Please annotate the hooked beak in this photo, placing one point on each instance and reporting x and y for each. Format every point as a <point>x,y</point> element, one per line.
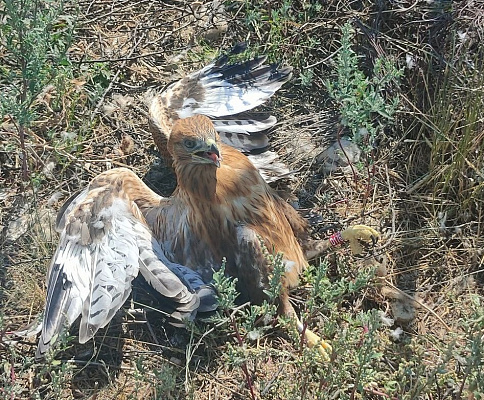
<point>210,152</point>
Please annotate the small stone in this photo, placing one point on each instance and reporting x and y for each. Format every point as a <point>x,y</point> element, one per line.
<point>339,156</point>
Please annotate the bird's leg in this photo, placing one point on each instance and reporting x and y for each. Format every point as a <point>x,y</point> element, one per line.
<point>316,248</point>
<point>312,339</point>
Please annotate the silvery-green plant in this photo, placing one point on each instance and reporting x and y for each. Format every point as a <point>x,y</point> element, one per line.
<point>364,102</point>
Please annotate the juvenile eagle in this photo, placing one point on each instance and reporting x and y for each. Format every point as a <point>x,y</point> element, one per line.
<point>222,208</point>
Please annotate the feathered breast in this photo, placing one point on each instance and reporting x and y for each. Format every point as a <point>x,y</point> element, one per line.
<point>217,200</point>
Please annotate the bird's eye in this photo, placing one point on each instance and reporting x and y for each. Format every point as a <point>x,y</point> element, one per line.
<point>189,143</point>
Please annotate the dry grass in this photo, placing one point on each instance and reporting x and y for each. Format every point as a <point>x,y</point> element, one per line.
<point>424,192</point>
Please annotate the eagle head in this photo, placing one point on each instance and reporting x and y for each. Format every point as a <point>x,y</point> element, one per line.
<point>195,140</point>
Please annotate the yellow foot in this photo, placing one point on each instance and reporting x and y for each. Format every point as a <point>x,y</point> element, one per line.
<point>323,347</point>
<point>359,232</point>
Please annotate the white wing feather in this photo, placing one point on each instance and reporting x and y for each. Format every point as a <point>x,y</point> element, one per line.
<point>229,89</point>
<point>223,92</point>
<point>114,264</point>
<point>101,250</point>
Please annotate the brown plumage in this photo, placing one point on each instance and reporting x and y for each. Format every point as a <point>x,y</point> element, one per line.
<point>228,209</point>
<point>221,208</point>
<point>221,200</point>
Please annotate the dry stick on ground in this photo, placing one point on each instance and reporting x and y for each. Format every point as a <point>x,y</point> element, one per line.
<point>121,67</point>
<point>21,135</point>
<point>276,375</point>
<point>338,137</point>
<point>241,344</point>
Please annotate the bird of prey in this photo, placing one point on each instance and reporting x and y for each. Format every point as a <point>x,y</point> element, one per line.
<point>225,93</point>
<point>222,209</point>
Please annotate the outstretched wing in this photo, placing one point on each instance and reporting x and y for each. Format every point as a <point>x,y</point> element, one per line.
<point>224,92</point>
<point>222,89</point>
<point>91,272</point>
<point>104,243</point>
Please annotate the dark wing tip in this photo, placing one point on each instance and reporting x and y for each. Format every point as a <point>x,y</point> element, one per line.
<point>237,49</point>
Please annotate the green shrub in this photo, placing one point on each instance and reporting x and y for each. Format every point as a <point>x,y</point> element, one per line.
<point>366,104</point>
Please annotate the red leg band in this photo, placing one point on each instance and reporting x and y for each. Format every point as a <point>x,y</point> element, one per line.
<point>336,239</point>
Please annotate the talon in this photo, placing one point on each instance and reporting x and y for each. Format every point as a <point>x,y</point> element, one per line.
<point>323,347</point>
<point>359,232</point>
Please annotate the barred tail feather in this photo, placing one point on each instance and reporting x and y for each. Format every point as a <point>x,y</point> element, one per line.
<point>245,143</point>
<point>240,124</point>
